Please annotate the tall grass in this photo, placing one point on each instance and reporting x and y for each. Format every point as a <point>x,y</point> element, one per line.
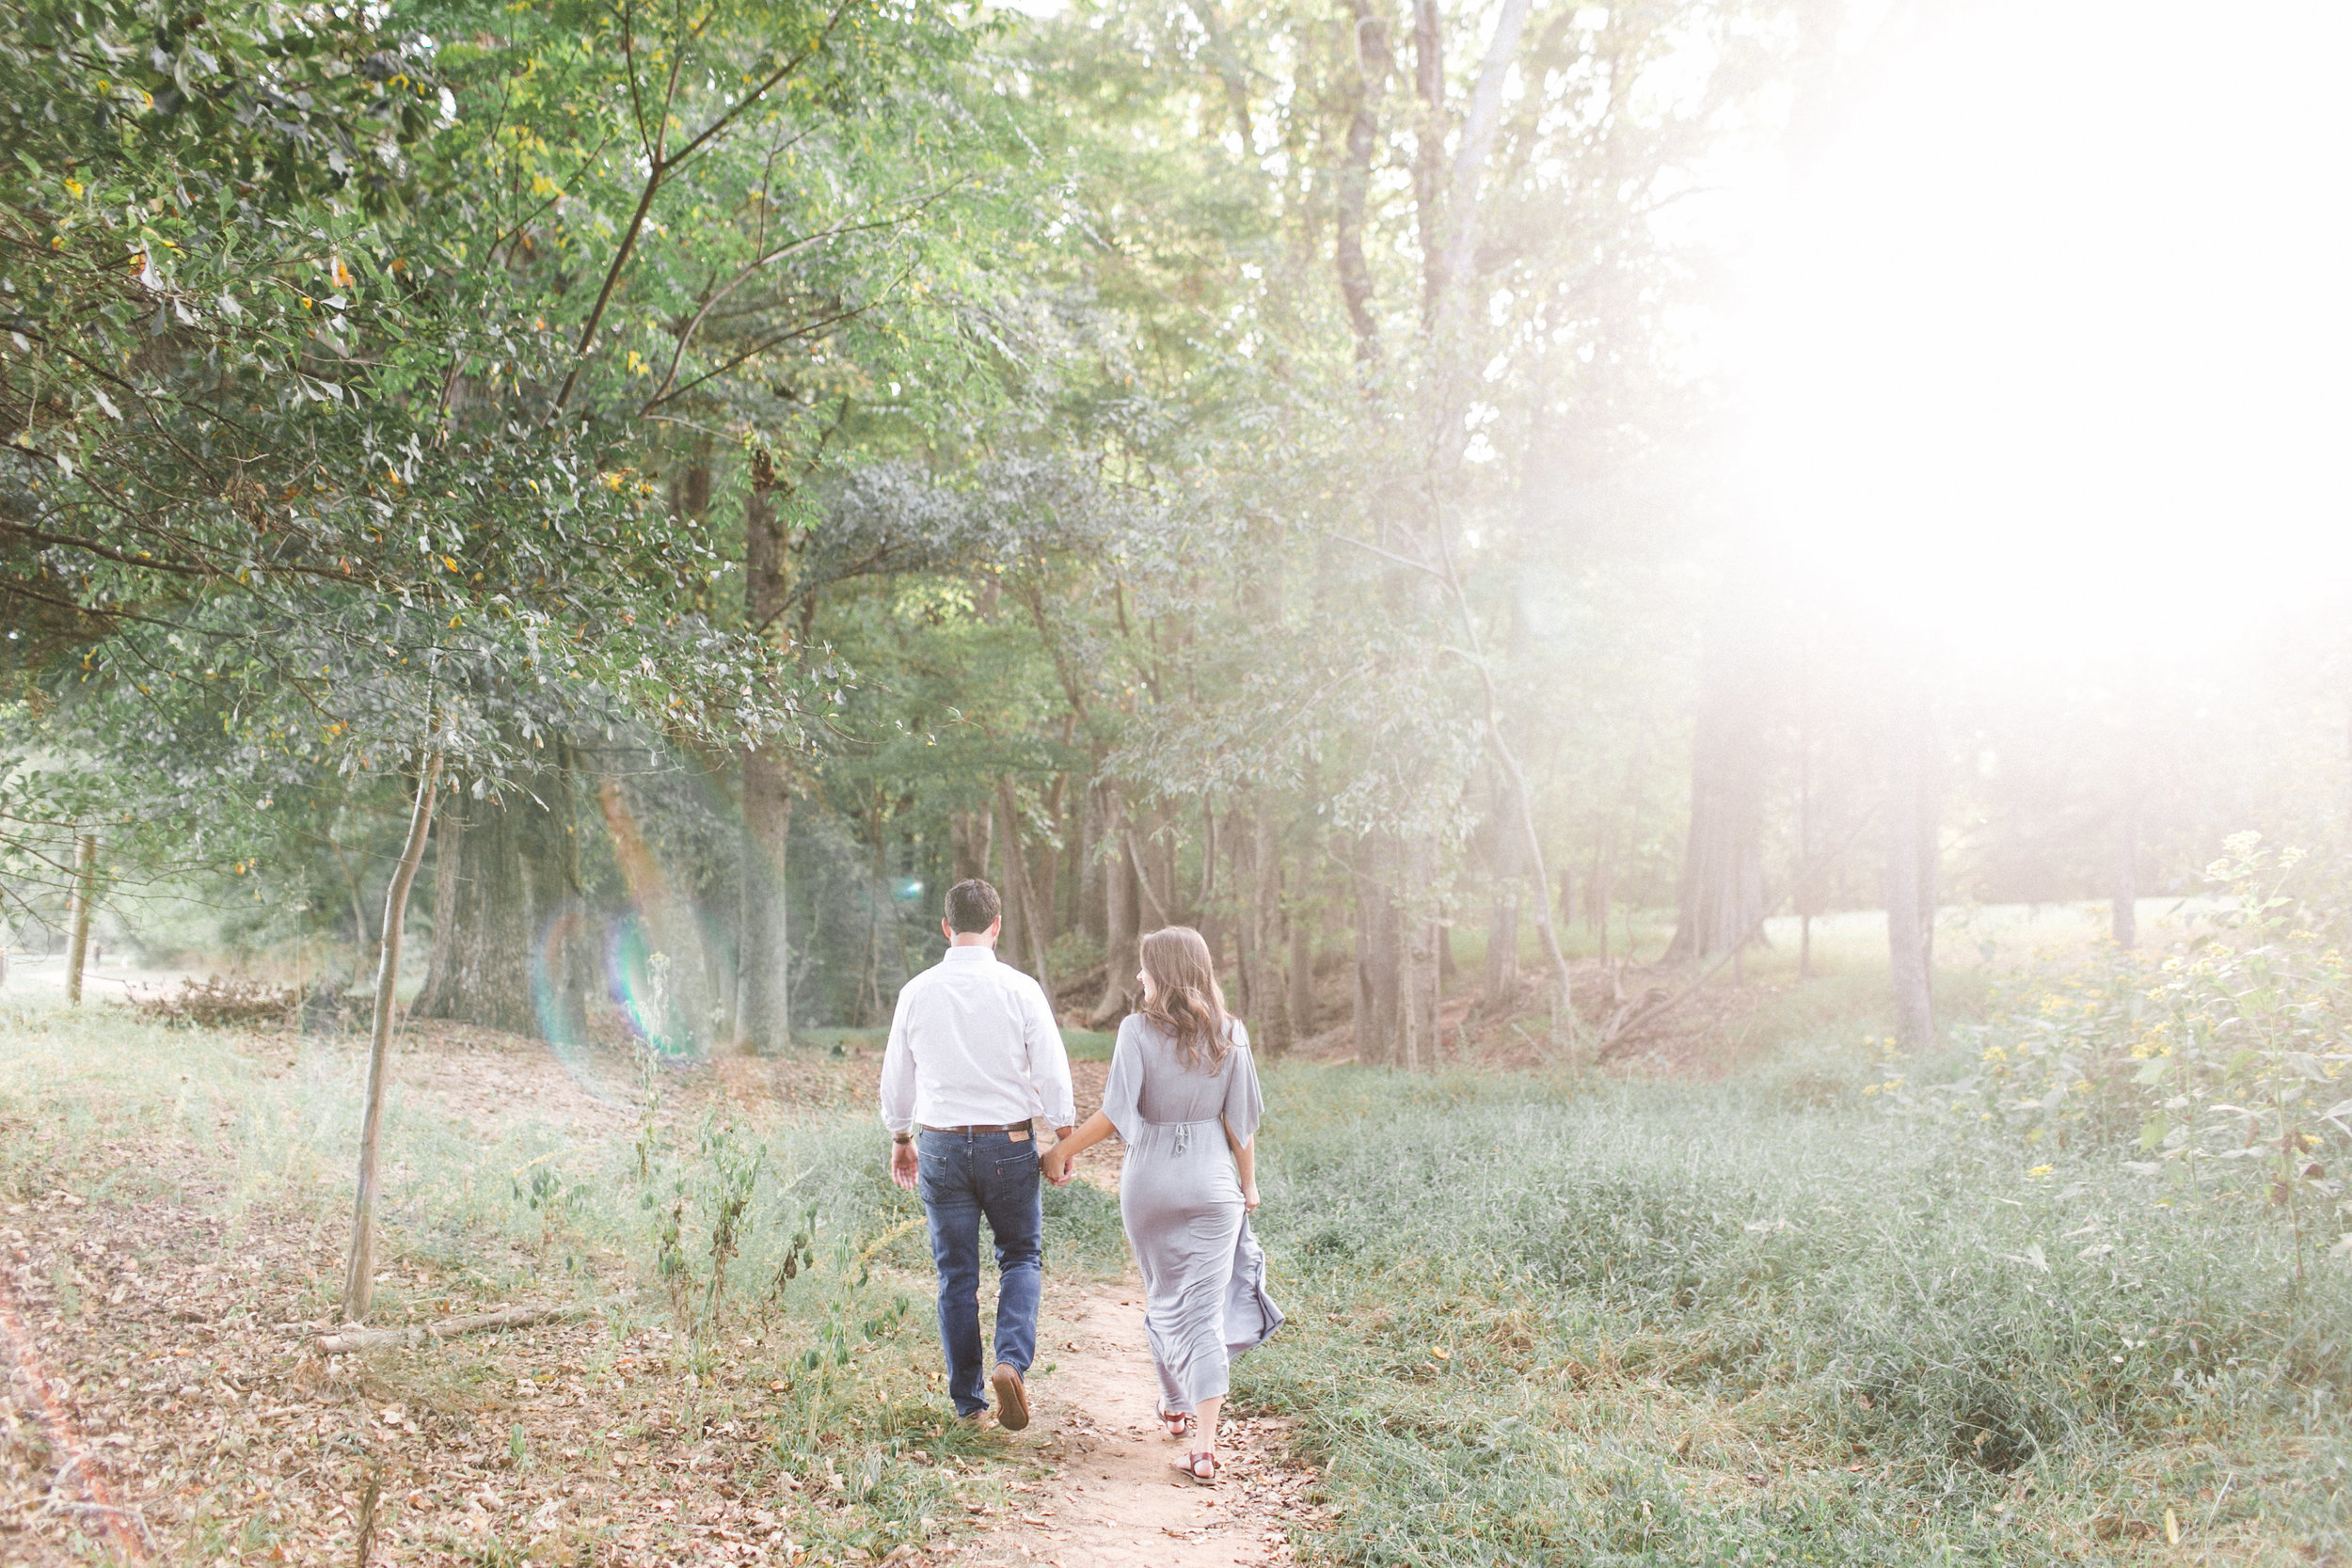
<point>1778,1318</point>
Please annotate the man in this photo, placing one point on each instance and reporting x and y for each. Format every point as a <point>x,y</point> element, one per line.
<point>973,1058</point>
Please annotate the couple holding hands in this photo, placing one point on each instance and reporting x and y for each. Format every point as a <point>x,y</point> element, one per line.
<point>975,1058</point>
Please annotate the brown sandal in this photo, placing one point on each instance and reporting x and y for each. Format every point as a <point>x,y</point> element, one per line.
<point>1176,1422</point>
<point>1191,1464</point>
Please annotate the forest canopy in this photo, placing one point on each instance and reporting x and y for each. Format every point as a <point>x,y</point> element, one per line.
<point>1280,469</point>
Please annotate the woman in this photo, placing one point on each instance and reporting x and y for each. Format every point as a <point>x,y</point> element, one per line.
<point>1184,1095</point>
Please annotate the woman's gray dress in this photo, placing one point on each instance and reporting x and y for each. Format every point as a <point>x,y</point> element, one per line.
<point>1203,1273</point>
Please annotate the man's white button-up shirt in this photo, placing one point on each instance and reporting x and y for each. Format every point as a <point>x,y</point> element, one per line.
<point>973,1043</point>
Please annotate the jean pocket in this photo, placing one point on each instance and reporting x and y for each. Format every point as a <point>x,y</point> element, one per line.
<point>1017,1165</point>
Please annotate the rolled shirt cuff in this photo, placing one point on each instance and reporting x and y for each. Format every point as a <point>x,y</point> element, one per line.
<point>899,1124</point>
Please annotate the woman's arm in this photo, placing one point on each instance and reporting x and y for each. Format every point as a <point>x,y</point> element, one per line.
<point>1055,1160</point>
<point>1245,1166</point>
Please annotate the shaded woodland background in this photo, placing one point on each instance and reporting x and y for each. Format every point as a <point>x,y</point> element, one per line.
<point>1238,465</point>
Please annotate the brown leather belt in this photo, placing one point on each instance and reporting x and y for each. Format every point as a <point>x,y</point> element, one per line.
<point>1004,1127</point>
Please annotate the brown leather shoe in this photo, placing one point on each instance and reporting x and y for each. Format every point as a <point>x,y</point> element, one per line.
<point>1013,1398</point>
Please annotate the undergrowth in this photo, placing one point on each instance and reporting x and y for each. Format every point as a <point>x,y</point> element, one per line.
<point>1795,1316</point>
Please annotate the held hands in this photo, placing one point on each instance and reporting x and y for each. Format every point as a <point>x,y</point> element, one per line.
<point>1054,1164</point>
<point>905,1164</point>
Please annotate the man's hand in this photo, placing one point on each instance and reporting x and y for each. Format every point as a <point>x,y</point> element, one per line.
<point>905,1164</point>
<point>1057,1159</point>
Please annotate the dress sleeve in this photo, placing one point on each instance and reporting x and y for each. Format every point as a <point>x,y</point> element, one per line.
<point>1122,1092</point>
<point>1244,1103</point>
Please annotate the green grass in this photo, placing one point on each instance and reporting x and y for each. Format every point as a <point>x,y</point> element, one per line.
<point>825,1290</point>
<point>1084,1045</point>
<point>1088,1045</point>
<point>1771,1319</point>
<point>1534,1320</point>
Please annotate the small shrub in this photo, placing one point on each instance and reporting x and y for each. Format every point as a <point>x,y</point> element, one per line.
<point>2223,1066</point>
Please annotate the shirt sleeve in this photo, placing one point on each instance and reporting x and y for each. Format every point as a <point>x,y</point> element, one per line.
<point>1122,1092</point>
<point>898,1073</point>
<point>1049,1062</point>
<point>1245,1105</point>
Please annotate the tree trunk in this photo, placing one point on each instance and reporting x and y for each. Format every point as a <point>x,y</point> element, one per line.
<point>359,1270</point>
<point>510,944</point>
<point>1023,940</point>
<point>1157,867</point>
<point>1721,890</point>
<point>359,920</point>
<point>1384,983</point>
<point>1094,911</point>
<point>1506,869</point>
<point>1240,883</point>
<point>448,879</point>
<point>1261,924</point>
<point>481,967</point>
<point>85,894</point>
<point>1045,866</point>
<point>971,834</point>
<point>1354,185</point>
<point>1210,900</point>
<point>1299,1008</point>
<point>1429,129</point>
<point>1122,905</point>
<point>763,1009</point>
<point>1499,988</point>
<point>1910,908</point>
<point>1417,1033</point>
<point>1599,888</point>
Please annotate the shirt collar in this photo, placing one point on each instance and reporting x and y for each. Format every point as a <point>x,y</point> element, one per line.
<point>969,956</point>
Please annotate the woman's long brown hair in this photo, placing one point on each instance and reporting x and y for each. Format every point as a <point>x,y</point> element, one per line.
<point>1184,999</point>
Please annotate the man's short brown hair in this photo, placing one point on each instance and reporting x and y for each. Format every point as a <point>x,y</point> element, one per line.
<point>973,905</point>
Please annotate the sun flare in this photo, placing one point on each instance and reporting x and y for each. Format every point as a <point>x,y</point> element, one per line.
<point>2047,337</point>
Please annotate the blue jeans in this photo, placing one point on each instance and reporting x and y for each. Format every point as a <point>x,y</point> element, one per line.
<point>965,1176</point>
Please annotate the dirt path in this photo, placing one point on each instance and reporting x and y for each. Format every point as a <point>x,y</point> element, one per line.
<point>155,1387</point>
<point>1112,1499</point>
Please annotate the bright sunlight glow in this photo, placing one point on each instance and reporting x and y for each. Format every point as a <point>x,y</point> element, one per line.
<point>2049,338</point>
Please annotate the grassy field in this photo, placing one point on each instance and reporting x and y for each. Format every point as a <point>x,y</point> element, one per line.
<point>1790,1314</point>
<point>1779,1318</point>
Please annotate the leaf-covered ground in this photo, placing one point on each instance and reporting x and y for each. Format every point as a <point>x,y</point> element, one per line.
<point>169,1268</point>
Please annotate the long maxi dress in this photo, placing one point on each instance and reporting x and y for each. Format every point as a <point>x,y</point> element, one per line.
<point>1205,1300</point>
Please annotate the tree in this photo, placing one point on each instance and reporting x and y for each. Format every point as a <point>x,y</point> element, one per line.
<point>1911,857</point>
<point>1720,897</point>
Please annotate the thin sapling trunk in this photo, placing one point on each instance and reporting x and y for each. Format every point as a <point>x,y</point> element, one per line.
<point>360,1277</point>
<point>85,891</point>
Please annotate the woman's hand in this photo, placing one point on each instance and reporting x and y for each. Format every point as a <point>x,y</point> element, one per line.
<point>1054,1164</point>
<point>1250,1197</point>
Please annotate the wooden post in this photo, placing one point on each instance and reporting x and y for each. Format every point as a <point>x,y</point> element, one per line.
<point>360,1277</point>
<point>84,888</point>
